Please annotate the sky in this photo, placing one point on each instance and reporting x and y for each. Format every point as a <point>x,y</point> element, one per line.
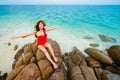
<point>108,2</point>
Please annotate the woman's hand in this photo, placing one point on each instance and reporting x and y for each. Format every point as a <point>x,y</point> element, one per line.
<point>13,37</point>
<point>48,29</point>
<point>23,35</point>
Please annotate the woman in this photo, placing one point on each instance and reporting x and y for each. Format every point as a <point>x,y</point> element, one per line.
<point>41,35</point>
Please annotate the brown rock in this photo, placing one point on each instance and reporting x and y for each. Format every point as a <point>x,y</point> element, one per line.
<point>39,78</point>
<point>107,38</point>
<point>33,59</point>
<point>15,47</point>
<point>19,53</point>
<point>40,55</point>
<point>98,55</point>
<point>27,57</point>
<point>111,69</point>
<point>31,56</point>
<point>57,76</point>
<point>106,76</point>
<point>18,63</point>
<point>27,49</point>
<point>94,45</point>
<point>114,52</point>
<point>75,73</point>
<point>77,57</point>
<point>9,43</point>
<point>14,73</point>
<point>45,68</point>
<point>101,74</point>
<point>4,76</point>
<point>87,37</point>
<point>92,62</point>
<point>88,73</point>
<point>34,48</point>
<point>98,72</point>
<point>30,72</point>
<point>70,62</point>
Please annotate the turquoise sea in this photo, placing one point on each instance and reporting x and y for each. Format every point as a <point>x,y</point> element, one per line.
<point>74,21</point>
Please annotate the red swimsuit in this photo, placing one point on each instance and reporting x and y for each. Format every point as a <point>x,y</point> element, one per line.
<point>42,38</point>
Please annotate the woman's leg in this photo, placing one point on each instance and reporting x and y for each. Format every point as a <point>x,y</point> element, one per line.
<point>48,45</point>
<point>47,55</point>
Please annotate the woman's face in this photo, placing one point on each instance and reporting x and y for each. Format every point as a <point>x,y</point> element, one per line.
<point>41,26</point>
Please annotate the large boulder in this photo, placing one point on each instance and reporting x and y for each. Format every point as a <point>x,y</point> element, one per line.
<point>93,62</point>
<point>30,72</point>
<point>98,55</point>
<point>59,74</point>
<point>45,68</point>
<point>31,64</point>
<point>3,76</point>
<point>77,66</point>
<point>75,73</point>
<point>114,52</point>
<point>105,38</point>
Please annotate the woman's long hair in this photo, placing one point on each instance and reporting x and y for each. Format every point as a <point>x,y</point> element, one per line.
<point>37,25</point>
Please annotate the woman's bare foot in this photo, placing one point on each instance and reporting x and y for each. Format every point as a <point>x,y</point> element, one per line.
<point>55,66</point>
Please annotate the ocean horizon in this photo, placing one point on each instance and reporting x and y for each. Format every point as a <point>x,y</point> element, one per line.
<point>75,22</point>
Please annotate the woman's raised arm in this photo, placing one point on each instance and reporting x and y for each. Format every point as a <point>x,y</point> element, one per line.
<point>23,35</point>
<point>48,29</point>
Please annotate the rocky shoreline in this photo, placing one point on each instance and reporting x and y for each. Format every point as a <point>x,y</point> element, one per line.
<point>31,64</point>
